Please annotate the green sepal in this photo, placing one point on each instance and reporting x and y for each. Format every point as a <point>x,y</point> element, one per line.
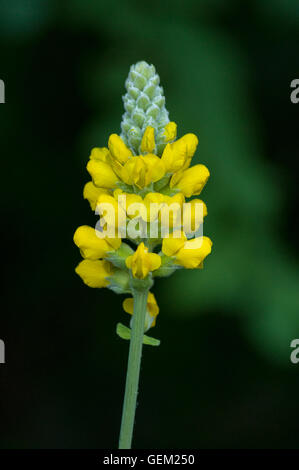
<point>141,284</point>
<point>125,333</point>
<point>119,282</point>
<point>159,185</point>
<point>167,191</point>
<point>118,257</point>
<point>167,267</point>
<point>125,187</point>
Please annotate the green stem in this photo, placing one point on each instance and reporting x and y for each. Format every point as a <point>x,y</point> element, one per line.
<point>133,371</point>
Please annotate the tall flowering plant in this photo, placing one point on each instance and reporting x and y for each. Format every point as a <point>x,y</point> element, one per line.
<point>139,186</point>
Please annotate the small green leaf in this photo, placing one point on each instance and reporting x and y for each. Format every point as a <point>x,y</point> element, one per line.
<point>125,333</point>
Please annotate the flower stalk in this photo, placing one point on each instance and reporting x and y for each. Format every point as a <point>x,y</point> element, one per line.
<point>133,370</point>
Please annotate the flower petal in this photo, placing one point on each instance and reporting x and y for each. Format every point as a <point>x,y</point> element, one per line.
<point>92,193</point>
<point>148,140</point>
<point>102,174</point>
<point>118,149</point>
<point>172,244</point>
<point>94,273</point>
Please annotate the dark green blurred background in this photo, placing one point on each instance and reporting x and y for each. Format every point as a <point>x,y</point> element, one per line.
<point>222,376</point>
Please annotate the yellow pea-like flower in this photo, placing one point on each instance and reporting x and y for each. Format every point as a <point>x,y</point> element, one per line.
<point>118,149</point>
<point>102,174</point>
<point>170,131</point>
<point>187,253</point>
<point>175,155</point>
<point>191,181</point>
<point>95,273</point>
<point>152,309</point>
<point>91,246</point>
<point>142,262</point>
<point>148,140</point>
<point>92,193</point>
<point>143,170</point>
<point>133,172</point>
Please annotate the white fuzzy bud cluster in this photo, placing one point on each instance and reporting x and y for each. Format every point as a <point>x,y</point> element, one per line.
<point>144,105</point>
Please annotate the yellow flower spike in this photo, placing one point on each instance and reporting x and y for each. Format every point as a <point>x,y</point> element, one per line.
<point>142,262</point>
<point>91,193</point>
<point>152,309</point>
<point>144,165</point>
<point>91,246</point>
<point>98,153</point>
<point>148,140</point>
<point>175,155</point>
<point>170,131</point>
<point>191,181</point>
<point>118,149</point>
<point>102,174</point>
<point>94,273</point>
<point>194,252</point>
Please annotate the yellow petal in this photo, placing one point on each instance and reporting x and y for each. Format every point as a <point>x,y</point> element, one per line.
<point>143,170</point>
<point>94,273</point>
<point>133,172</point>
<point>190,141</point>
<point>111,211</point>
<point>102,174</point>
<point>98,153</point>
<point>92,246</point>
<point>128,305</point>
<point>148,140</point>
<point>154,261</point>
<point>194,252</point>
<point>176,154</point>
<point>91,193</point>
<point>155,168</point>
<point>152,202</point>
<point>170,131</point>
<point>191,181</point>
<point>172,244</point>
<point>152,307</point>
<point>132,209</point>
<point>118,149</point>
<point>142,262</point>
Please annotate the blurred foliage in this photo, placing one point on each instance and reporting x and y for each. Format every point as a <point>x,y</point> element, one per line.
<point>222,376</point>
